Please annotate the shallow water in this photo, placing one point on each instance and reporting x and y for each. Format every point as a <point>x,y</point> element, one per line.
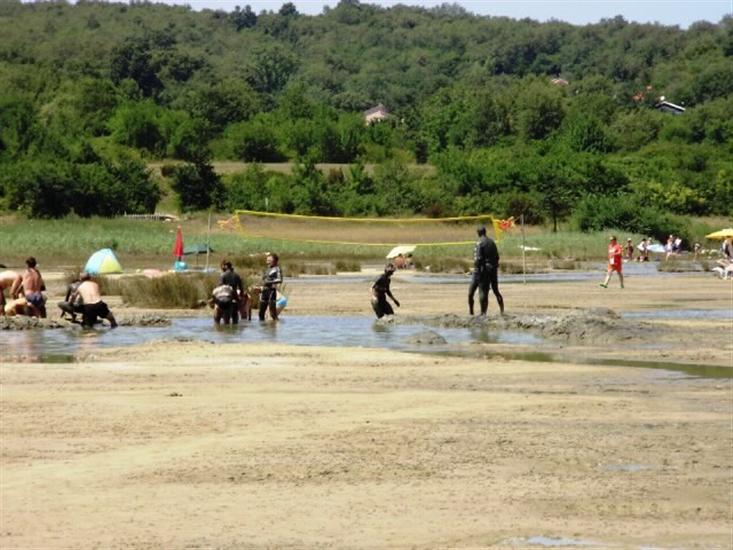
<point>558,276</point>
<point>725,314</point>
<point>550,542</point>
<point>58,344</point>
<point>697,371</point>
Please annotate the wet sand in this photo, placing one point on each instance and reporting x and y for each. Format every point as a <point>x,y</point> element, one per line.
<point>183,445</point>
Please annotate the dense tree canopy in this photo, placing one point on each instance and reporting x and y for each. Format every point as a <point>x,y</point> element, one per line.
<point>514,115</point>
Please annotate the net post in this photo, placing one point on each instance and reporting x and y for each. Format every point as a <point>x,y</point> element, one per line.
<point>524,252</point>
<point>208,240</point>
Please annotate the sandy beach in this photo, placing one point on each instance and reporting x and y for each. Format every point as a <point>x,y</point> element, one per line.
<point>196,445</point>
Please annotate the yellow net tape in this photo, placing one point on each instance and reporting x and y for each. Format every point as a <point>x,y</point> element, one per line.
<point>378,232</point>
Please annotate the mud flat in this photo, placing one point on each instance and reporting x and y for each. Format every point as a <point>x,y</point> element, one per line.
<point>185,444</point>
<point>197,445</point>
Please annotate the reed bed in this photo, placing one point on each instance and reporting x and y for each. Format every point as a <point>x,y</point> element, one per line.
<point>173,291</point>
<point>140,243</point>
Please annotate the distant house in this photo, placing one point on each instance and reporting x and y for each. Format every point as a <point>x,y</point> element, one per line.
<point>376,114</point>
<point>559,82</point>
<point>669,107</point>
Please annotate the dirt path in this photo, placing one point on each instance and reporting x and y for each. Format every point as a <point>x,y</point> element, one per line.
<point>192,445</point>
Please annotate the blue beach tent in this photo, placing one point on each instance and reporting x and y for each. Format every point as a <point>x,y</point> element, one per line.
<point>102,262</point>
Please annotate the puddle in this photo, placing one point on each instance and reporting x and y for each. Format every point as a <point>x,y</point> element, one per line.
<point>697,371</point>
<point>725,314</point>
<point>550,542</point>
<point>631,468</point>
<point>61,345</point>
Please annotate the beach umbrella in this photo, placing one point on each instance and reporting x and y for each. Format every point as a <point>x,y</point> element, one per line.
<point>403,249</point>
<point>722,234</point>
<point>103,261</point>
<point>178,246</point>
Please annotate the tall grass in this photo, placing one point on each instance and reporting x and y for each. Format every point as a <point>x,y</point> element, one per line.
<point>174,291</point>
<point>140,243</point>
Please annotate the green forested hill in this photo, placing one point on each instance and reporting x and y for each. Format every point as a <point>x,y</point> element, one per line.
<point>90,89</point>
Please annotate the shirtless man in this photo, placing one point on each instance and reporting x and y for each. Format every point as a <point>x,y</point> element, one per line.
<point>7,279</point>
<point>94,307</point>
<point>32,285</point>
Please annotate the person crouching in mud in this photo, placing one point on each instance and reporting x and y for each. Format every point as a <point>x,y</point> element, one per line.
<point>88,293</point>
<point>380,291</point>
<point>68,307</point>
<point>271,280</point>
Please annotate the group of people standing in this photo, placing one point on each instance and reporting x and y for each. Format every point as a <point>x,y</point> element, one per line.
<point>25,290</point>
<point>232,300</point>
<point>485,277</point>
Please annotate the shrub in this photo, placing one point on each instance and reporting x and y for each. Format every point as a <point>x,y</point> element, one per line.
<point>174,291</point>
<point>198,187</point>
<point>626,213</point>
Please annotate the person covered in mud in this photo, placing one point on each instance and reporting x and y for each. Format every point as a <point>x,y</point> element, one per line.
<point>31,284</point>
<point>94,308</point>
<point>615,251</point>
<point>485,273</point>
<point>68,307</point>
<point>228,294</point>
<point>629,251</point>
<point>272,278</point>
<point>7,279</point>
<point>380,291</point>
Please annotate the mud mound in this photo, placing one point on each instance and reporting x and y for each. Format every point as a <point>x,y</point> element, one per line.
<point>597,325</point>
<point>427,338</point>
<point>21,322</point>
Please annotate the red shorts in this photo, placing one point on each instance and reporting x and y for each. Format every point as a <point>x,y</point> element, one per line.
<point>614,267</point>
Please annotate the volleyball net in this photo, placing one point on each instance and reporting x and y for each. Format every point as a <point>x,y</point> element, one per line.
<point>378,232</point>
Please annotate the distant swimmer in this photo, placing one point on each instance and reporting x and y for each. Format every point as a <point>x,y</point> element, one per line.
<point>485,273</point>
<point>380,291</point>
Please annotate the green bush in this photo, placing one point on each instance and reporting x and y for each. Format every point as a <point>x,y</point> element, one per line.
<point>198,187</point>
<point>625,212</point>
<point>174,291</point>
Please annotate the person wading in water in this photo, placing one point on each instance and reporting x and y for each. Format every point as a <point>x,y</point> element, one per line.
<point>380,291</point>
<point>271,280</point>
<point>485,273</point>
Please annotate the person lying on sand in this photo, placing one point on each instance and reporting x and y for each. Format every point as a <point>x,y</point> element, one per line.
<point>7,278</point>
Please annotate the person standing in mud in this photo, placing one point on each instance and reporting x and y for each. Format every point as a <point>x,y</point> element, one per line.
<point>228,309</point>
<point>380,291</point>
<point>485,273</point>
<point>272,278</point>
<point>31,284</point>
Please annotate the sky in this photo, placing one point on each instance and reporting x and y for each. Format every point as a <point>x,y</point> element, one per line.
<point>578,12</point>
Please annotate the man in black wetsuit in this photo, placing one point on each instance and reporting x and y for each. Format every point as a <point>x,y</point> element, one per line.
<point>380,291</point>
<point>271,280</point>
<point>229,308</point>
<point>485,273</point>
